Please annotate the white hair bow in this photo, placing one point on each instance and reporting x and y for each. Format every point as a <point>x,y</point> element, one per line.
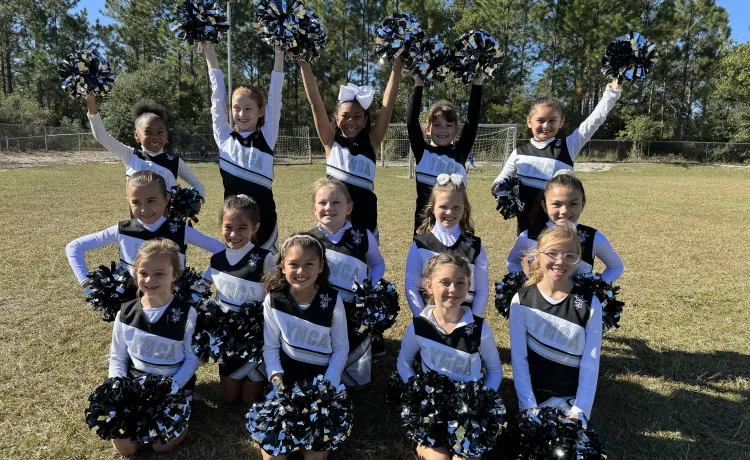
<point>443,179</point>
<point>363,94</point>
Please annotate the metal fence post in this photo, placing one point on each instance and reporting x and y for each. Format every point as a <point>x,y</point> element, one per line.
<point>7,145</point>
<point>45,138</point>
<point>382,154</point>
<point>79,142</point>
<point>706,152</point>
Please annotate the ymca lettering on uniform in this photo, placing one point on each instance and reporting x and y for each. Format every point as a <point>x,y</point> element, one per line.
<point>558,333</point>
<point>303,335</point>
<point>450,362</point>
<point>341,269</point>
<point>356,165</point>
<point>236,291</point>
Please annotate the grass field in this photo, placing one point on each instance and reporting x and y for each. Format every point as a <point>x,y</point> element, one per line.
<point>674,380</point>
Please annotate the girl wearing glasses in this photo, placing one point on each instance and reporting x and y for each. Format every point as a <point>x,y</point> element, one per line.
<point>564,200</point>
<point>555,330</point>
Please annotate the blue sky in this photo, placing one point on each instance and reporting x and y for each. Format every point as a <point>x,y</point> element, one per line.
<point>739,15</point>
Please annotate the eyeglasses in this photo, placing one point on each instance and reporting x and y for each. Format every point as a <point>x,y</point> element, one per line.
<point>567,257</point>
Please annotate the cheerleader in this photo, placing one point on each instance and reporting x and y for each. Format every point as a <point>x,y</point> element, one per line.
<point>446,335</point>
<point>564,200</point>
<point>147,195</point>
<point>536,162</point>
<point>304,333</point>
<point>350,143</point>
<point>555,330</point>
<point>144,328</point>
<point>246,154</point>
<point>441,155</point>
<point>151,136</point>
<point>352,255</point>
<point>236,273</point>
<point>447,226</point>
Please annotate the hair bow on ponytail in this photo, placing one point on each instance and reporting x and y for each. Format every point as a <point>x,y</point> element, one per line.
<point>443,179</point>
<point>363,94</point>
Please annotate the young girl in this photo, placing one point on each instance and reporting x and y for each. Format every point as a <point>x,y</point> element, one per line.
<point>564,200</point>
<point>246,154</point>
<point>350,143</point>
<point>536,162</point>
<point>147,327</point>
<point>555,330</point>
<point>352,255</point>
<point>440,155</point>
<point>447,336</point>
<point>305,323</point>
<point>447,226</point>
<point>151,135</point>
<point>236,272</point>
<point>147,195</point>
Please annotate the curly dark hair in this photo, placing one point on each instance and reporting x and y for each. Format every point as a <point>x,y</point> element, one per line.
<point>145,106</point>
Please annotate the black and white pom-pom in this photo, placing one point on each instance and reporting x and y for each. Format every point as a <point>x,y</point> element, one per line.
<point>397,35</point>
<point>229,336</point>
<point>290,26</point>
<point>475,53</point>
<point>209,334</point>
<point>192,287</point>
<point>505,289</point>
<point>424,402</point>
<point>311,415</point>
<point>429,60</point>
<point>184,204</point>
<point>477,419</point>
<point>607,295</point>
<point>84,72</point>
<point>507,195</point>
<point>141,409</point>
<point>630,57</point>
<point>108,289</point>
<point>199,21</point>
<point>379,309</point>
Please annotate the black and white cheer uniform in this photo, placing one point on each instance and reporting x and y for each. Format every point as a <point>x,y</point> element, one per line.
<point>129,235</point>
<point>555,347</point>
<point>594,246</point>
<point>536,162</point>
<point>432,160</point>
<point>352,254</point>
<point>440,240</point>
<point>353,163</point>
<point>246,159</point>
<point>305,340</point>
<point>156,341</point>
<point>236,275</point>
<point>460,354</point>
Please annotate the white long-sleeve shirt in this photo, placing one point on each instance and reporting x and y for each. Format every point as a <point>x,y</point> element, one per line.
<point>373,258</point>
<point>602,250</point>
<point>410,347</point>
<point>76,249</point>
<point>415,268</point>
<point>118,350</point>
<point>339,341</point>
<point>522,318</point>
<point>133,163</point>
<point>575,141</point>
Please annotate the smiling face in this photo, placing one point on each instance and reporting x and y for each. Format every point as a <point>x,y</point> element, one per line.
<point>237,229</point>
<point>332,208</point>
<point>156,276</point>
<point>559,261</point>
<point>246,111</point>
<point>449,208</point>
<point>545,122</point>
<point>147,202</point>
<point>301,268</point>
<point>151,133</point>
<point>563,204</point>
<point>448,286</point>
<point>351,119</point>
<point>441,131</point>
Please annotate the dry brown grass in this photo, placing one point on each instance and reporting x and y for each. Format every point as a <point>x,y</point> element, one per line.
<point>674,380</point>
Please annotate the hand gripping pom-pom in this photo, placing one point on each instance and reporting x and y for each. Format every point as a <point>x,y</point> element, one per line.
<point>630,57</point>
<point>192,287</point>
<point>290,26</point>
<point>311,416</point>
<point>109,287</point>
<point>379,307</point>
<point>507,194</point>
<point>84,72</point>
<point>505,289</point>
<point>183,205</point>
<point>607,295</point>
<point>229,336</point>
<point>199,21</point>
<point>397,35</point>
<point>475,53</point>
<point>140,409</point>
<point>429,60</point>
